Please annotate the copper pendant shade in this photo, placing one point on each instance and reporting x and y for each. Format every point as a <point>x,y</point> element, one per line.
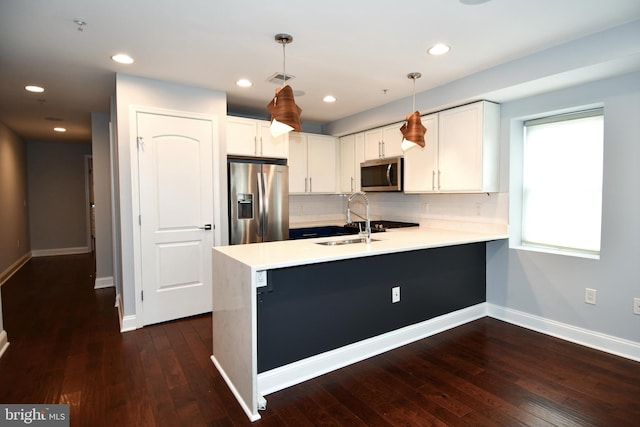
<point>412,130</point>
<point>285,114</point>
<point>284,111</point>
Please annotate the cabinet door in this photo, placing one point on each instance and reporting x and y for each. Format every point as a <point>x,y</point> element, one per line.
<point>268,145</point>
<point>297,163</point>
<point>373,144</point>
<point>392,140</point>
<point>241,136</point>
<point>421,163</point>
<point>460,148</point>
<point>348,164</point>
<point>321,163</point>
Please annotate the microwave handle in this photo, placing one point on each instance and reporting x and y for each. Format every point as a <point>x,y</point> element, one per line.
<point>389,174</point>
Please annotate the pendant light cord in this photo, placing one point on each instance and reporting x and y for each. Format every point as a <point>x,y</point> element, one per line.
<point>414,94</point>
<point>284,69</point>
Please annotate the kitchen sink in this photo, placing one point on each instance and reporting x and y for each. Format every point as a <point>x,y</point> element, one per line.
<point>345,242</point>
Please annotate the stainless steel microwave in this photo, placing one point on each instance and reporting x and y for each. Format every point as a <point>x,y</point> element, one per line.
<point>381,174</point>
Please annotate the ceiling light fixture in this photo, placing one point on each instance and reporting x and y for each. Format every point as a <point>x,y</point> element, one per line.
<point>35,89</point>
<point>60,129</point>
<point>80,24</point>
<point>244,83</point>
<point>285,114</point>
<point>329,99</point>
<point>122,58</point>
<point>439,49</point>
<point>412,130</point>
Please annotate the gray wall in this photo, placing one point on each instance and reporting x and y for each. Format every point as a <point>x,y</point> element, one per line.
<point>14,215</point>
<point>100,147</point>
<point>553,286</point>
<point>57,197</point>
<point>135,92</point>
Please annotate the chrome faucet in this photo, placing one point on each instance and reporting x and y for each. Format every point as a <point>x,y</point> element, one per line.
<point>366,234</point>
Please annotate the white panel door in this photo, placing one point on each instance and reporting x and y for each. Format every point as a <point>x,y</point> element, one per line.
<point>176,213</point>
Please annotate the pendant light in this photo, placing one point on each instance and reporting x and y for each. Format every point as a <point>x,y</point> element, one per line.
<point>412,129</point>
<point>285,114</point>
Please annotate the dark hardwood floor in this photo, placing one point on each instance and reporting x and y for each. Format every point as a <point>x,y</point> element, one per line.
<point>66,348</point>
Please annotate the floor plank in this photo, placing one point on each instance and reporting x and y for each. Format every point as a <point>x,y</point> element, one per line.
<point>66,348</point>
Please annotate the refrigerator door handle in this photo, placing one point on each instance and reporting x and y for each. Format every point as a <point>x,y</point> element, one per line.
<point>260,202</point>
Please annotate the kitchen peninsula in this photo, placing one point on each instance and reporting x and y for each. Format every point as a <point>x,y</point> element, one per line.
<point>287,311</point>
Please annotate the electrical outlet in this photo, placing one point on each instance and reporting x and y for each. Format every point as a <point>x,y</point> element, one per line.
<point>636,306</point>
<point>590,296</point>
<point>425,208</point>
<point>395,294</point>
<point>478,209</point>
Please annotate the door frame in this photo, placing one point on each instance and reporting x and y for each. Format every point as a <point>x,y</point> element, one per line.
<point>135,189</point>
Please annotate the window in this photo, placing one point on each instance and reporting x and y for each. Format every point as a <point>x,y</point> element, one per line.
<point>562,182</point>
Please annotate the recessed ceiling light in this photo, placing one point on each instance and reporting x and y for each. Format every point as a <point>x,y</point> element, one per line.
<point>439,49</point>
<point>244,83</point>
<point>36,89</point>
<point>60,129</point>
<point>473,2</point>
<point>122,58</point>
<point>329,98</point>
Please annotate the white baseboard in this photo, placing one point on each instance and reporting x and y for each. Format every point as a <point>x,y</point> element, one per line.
<point>13,268</point>
<point>127,323</point>
<point>607,343</point>
<point>4,342</point>
<point>103,282</point>
<point>60,251</point>
<point>252,416</point>
<point>303,370</point>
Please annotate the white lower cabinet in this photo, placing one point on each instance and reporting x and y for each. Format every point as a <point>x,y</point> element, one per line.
<point>312,163</point>
<point>351,155</point>
<point>249,137</point>
<point>461,156</point>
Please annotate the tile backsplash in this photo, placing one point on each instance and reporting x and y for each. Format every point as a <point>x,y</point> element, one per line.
<point>480,212</point>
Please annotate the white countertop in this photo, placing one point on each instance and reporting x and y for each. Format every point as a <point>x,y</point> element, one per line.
<point>288,253</point>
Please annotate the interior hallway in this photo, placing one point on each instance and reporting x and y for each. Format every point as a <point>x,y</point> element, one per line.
<point>66,348</point>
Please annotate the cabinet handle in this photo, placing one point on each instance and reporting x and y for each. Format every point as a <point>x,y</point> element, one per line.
<point>383,149</point>
<point>255,145</point>
<point>379,149</point>
<point>310,185</point>
<point>433,180</point>
<point>305,185</point>
<point>352,186</point>
<point>261,146</point>
<point>439,173</point>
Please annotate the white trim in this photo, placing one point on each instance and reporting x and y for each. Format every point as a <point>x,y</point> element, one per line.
<point>127,323</point>
<point>243,404</point>
<point>603,342</point>
<point>303,370</point>
<point>60,251</point>
<point>13,268</point>
<point>4,342</point>
<point>103,282</point>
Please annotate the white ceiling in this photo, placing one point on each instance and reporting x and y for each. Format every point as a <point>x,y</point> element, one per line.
<point>354,50</point>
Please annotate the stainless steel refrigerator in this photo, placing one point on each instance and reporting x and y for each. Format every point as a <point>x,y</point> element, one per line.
<point>258,201</point>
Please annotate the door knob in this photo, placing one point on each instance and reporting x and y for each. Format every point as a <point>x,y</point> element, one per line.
<point>205,227</point>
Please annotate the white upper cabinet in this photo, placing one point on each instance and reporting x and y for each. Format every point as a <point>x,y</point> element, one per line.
<point>383,142</point>
<point>351,155</point>
<point>312,163</point>
<point>249,137</point>
<point>468,148</point>
<point>461,153</point>
<point>421,163</point>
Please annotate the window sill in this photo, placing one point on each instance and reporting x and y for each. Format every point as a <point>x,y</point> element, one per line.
<point>556,251</point>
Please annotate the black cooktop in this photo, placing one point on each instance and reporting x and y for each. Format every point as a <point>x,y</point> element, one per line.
<point>383,225</point>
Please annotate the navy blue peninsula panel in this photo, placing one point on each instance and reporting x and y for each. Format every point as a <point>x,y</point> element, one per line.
<point>310,309</point>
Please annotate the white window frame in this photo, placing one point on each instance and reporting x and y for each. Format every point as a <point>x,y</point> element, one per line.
<point>517,164</point>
